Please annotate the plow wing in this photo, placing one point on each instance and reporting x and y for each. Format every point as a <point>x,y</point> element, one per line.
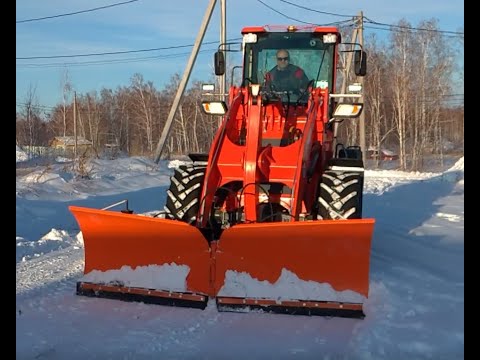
<point>136,257</point>
<point>315,266</point>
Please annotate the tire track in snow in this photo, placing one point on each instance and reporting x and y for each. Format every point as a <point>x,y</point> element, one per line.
<point>52,272</point>
<point>177,330</point>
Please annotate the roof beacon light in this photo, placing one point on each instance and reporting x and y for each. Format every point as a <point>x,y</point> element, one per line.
<point>249,38</point>
<point>330,38</point>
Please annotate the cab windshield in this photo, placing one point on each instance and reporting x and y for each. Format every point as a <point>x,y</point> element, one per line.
<point>306,50</point>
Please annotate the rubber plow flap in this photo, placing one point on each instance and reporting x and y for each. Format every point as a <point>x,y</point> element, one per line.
<point>140,255</point>
<point>315,263</point>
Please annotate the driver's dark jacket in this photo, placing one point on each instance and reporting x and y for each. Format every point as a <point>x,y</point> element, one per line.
<point>293,78</point>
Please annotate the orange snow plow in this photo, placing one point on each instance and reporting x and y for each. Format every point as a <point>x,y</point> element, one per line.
<point>116,241</point>
<point>270,218</point>
<point>302,262</point>
<point>307,250</point>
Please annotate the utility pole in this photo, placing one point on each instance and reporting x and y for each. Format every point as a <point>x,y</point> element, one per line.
<point>223,37</point>
<point>362,98</point>
<point>348,65</point>
<point>346,73</point>
<point>223,40</point>
<point>75,129</point>
<point>184,81</point>
<point>357,33</point>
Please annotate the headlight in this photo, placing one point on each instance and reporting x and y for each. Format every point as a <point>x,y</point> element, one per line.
<point>214,107</point>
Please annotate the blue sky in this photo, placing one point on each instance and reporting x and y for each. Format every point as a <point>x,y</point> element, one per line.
<point>151,24</point>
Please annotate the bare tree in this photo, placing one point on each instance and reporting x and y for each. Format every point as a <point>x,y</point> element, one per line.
<point>375,88</point>
<point>432,73</point>
<point>401,75</point>
<point>66,86</point>
<point>92,117</point>
<point>407,96</point>
<point>144,100</point>
<point>29,123</point>
<point>123,116</point>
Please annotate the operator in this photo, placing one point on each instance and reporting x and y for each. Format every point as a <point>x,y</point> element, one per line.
<point>285,76</point>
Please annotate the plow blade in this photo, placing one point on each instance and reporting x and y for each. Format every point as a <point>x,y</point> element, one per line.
<point>314,267</point>
<point>139,258</point>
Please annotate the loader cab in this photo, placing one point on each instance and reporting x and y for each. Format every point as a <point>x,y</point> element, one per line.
<point>314,52</point>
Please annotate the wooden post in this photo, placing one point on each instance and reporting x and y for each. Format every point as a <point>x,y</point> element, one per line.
<point>362,100</point>
<point>183,82</point>
<point>75,129</point>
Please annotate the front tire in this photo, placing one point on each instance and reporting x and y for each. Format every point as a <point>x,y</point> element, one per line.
<point>183,196</point>
<point>340,195</point>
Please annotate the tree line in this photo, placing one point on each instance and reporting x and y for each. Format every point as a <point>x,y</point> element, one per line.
<point>412,105</point>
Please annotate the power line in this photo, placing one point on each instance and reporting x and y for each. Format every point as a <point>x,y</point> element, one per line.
<point>368,20</point>
<point>108,62</point>
<point>412,28</point>
<point>392,30</point>
<point>317,11</point>
<point>297,20</point>
<point>76,12</point>
<point>113,52</point>
<point>35,106</point>
<point>452,94</point>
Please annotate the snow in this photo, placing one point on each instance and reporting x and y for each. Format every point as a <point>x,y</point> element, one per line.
<point>173,277</point>
<point>287,287</point>
<point>21,155</point>
<point>415,307</point>
<point>388,152</point>
<point>157,277</point>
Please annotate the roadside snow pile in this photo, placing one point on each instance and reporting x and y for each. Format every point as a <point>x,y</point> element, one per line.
<point>456,173</point>
<point>458,166</point>
<point>21,155</point>
<point>175,164</point>
<point>54,240</point>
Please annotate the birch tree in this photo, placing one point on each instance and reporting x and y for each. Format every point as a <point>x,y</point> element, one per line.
<point>28,128</point>
<point>401,80</point>
<point>144,99</point>
<point>375,88</point>
<point>66,86</point>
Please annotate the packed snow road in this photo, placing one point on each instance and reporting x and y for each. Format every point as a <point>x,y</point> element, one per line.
<point>415,307</point>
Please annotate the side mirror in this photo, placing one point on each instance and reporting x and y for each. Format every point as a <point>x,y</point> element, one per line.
<point>360,61</point>
<point>219,63</point>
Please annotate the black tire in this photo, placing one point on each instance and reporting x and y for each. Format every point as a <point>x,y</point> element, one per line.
<point>183,196</point>
<point>340,195</point>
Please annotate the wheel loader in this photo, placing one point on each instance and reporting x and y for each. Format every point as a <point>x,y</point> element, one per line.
<point>271,217</point>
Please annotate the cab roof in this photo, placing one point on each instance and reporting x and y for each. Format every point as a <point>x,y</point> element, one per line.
<point>290,28</point>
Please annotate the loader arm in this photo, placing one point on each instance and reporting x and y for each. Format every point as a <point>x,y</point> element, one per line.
<point>313,134</point>
<point>213,176</point>
<point>243,153</point>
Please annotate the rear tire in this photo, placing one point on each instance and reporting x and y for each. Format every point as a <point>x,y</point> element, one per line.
<point>340,195</point>
<point>183,196</point>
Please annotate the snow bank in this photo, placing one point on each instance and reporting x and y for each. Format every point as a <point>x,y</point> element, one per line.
<point>21,155</point>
